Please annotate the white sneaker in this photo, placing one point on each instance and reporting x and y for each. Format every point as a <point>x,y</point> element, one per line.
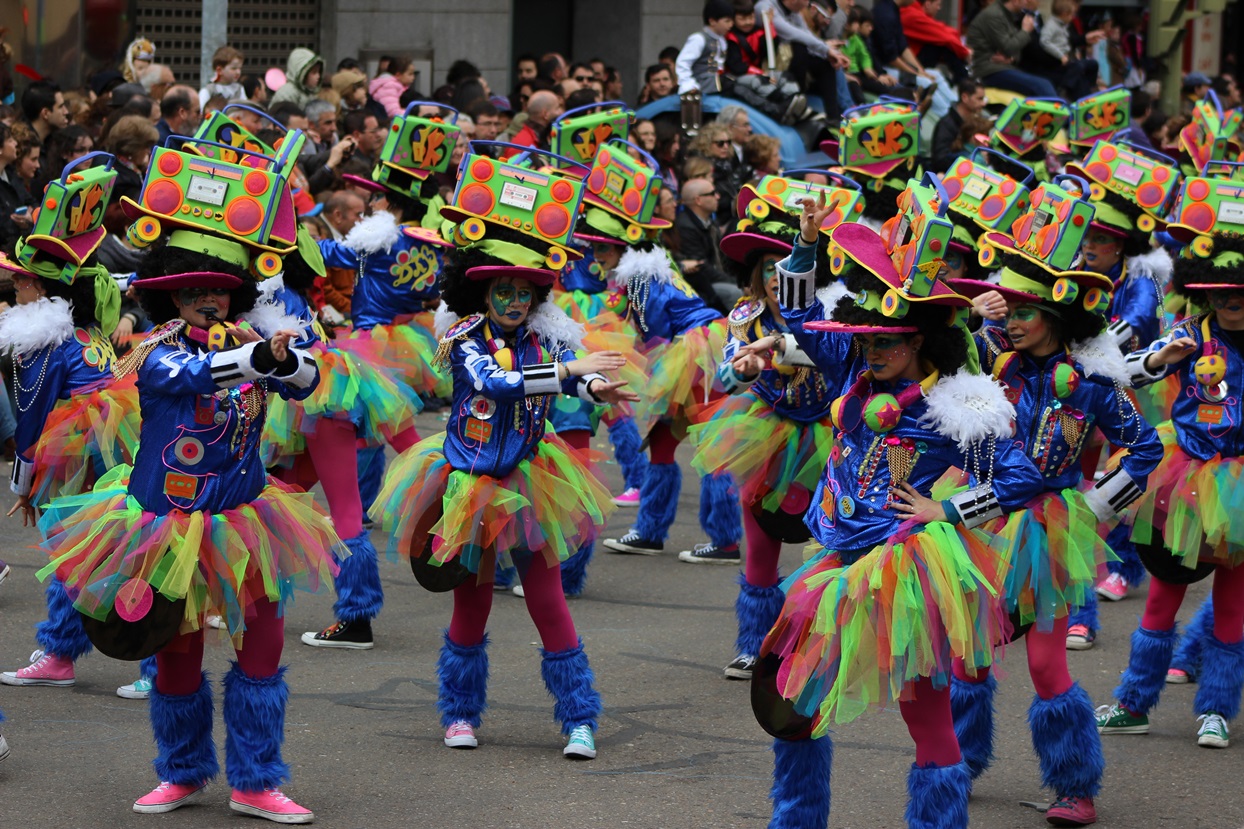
<point>4,748</point>
<point>138,689</point>
<point>518,590</point>
<point>217,622</point>
<point>1213,732</point>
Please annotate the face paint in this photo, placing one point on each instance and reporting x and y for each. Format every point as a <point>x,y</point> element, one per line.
<point>888,355</point>
<point>1025,313</point>
<point>1226,300</point>
<point>504,295</point>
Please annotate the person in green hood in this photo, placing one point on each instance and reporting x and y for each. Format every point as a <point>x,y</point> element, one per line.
<point>302,71</point>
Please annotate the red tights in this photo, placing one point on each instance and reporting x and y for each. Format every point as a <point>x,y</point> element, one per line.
<point>931,725</point>
<point>546,604</point>
<point>1047,662</point>
<point>662,443</point>
<point>179,666</point>
<point>1228,594</point>
<point>761,566</point>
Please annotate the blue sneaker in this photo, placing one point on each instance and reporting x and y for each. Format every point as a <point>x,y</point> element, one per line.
<point>139,689</point>
<point>581,745</point>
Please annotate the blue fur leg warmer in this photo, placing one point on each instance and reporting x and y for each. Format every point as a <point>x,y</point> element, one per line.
<point>1086,614</point>
<point>371,475</point>
<point>658,501</point>
<point>1068,747</point>
<point>182,726</point>
<point>757,608</point>
<point>147,668</point>
<point>1188,655</point>
<point>801,793</point>
<point>628,451</point>
<point>971,705</point>
<point>61,634</point>
<point>720,517</point>
<point>359,594</point>
<point>574,569</point>
<point>937,796</point>
<point>1145,677</point>
<point>1129,565</point>
<point>1222,675</point>
<point>571,682</point>
<point>463,675</point>
<point>254,717</point>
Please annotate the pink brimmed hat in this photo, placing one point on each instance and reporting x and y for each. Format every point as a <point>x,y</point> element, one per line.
<point>193,279</point>
<point>738,246</point>
<point>536,276</point>
<point>866,248</point>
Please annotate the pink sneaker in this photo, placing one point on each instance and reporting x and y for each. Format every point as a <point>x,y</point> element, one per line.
<point>45,669</point>
<point>168,796</point>
<point>271,804</point>
<point>1113,588</point>
<point>629,498</point>
<point>1178,676</point>
<point>1079,638</point>
<point>460,734</point>
<point>1072,811</point>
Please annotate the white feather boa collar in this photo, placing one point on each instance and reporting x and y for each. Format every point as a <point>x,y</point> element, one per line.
<point>1101,357</point>
<point>555,329</point>
<point>269,314</point>
<point>1155,265</point>
<point>36,325</point>
<point>968,408</point>
<point>652,263</point>
<point>377,232</point>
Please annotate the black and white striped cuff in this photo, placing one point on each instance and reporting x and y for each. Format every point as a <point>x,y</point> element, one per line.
<point>1120,331</point>
<point>791,354</point>
<point>731,381</point>
<point>235,366</point>
<point>23,477</point>
<point>586,381</point>
<point>976,506</point>
<point>1112,494</point>
<point>1137,371</point>
<point>304,376</point>
<point>541,378</point>
<point>796,290</point>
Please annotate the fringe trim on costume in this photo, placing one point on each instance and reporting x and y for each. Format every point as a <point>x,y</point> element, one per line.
<point>130,363</point>
<point>37,325</point>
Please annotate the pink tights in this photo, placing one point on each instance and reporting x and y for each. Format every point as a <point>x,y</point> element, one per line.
<point>1228,593</point>
<point>662,443</point>
<point>546,604</point>
<point>931,725</point>
<point>761,567</point>
<point>1047,662</point>
<point>179,666</point>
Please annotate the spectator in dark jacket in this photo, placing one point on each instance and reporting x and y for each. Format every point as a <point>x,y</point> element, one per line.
<point>699,243</point>
<point>946,133</point>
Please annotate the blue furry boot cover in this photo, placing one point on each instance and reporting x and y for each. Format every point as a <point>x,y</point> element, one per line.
<point>1222,675</point>
<point>937,796</point>
<point>1145,677</point>
<point>971,705</point>
<point>371,475</point>
<point>254,715</point>
<point>1129,565</point>
<point>574,569</point>
<point>1188,654</point>
<point>359,594</point>
<point>757,608</point>
<point>182,725</point>
<point>628,451</point>
<point>463,675</point>
<point>801,792</point>
<point>61,634</point>
<point>1086,614</point>
<point>658,501</point>
<point>720,517</point>
<point>570,680</point>
<point>1068,747</point>
<point>147,668</point>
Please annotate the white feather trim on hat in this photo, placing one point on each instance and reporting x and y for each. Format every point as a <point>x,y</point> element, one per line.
<point>555,328</point>
<point>36,325</point>
<point>1100,356</point>
<point>830,294</point>
<point>443,320</point>
<point>1156,265</point>
<point>653,263</point>
<point>968,408</point>
<point>377,232</point>
<point>271,316</point>
<point>269,287</point>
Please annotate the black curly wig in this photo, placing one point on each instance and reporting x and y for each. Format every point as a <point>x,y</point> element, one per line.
<point>972,268</point>
<point>1197,270</point>
<point>1136,241</point>
<point>944,345</point>
<point>163,260</point>
<point>880,205</point>
<point>581,226</point>
<point>467,296</point>
<point>413,210</point>
<point>1075,323</point>
<point>80,296</point>
<point>296,273</point>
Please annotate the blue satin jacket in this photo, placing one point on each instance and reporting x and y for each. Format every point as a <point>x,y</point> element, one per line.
<point>387,284</point>
<point>1134,304</point>
<point>498,413</point>
<point>662,310</point>
<point>203,415</point>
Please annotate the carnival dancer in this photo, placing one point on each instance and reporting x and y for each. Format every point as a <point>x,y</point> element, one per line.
<point>1066,377</point>
<point>682,338</point>
<point>197,519</point>
<point>1186,526</point>
<point>396,253</point>
<point>897,565</point>
<point>772,432</point>
<point>73,422</point>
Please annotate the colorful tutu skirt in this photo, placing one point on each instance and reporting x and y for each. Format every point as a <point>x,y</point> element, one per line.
<point>1190,504</point>
<point>402,350</point>
<point>606,330</point>
<point>548,506</point>
<point>1054,547</point>
<point>683,375</point>
<point>84,437</point>
<point>851,637</point>
<point>776,461</point>
<point>349,389</point>
<point>220,563</point>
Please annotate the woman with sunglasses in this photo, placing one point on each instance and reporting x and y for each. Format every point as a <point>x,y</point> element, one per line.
<point>198,519</point>
<point>897,567</point>
<point>1066,377</point>
<point>772,432</point>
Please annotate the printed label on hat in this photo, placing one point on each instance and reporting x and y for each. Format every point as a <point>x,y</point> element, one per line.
<point>1232,213</point>
<point>976,188</point>
<point>207,191</point>
<point>1128,173</point>
<point>515,195</point>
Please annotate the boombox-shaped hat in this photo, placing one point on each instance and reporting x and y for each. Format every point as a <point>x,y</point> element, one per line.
<point>68,220</point>
<point>620,197</point>
<point>578,134</point>
<point>1209,206</point>
<point>992,197</point>
<point>1100,115</point>
<point>1213,135</point>
<point>415,148</point>
<point>1141,176</point>
<point>221,137</point>
<point>874,139</point>
<point>1026,123</point>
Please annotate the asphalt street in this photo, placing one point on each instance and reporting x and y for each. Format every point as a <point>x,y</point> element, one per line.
<point>678,746</point>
